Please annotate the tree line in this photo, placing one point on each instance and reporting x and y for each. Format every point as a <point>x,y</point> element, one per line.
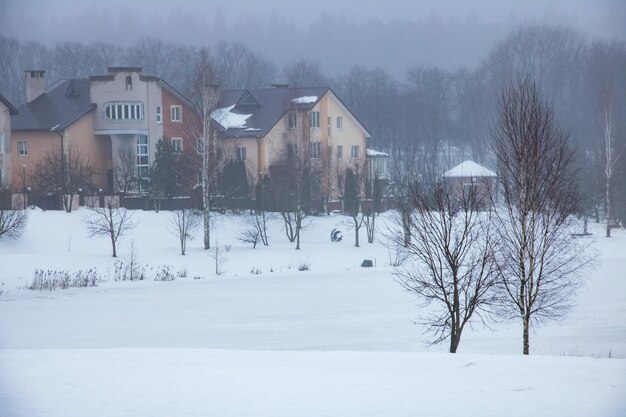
<point>440,117</point>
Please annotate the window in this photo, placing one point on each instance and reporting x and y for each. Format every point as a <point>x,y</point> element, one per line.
<point>292,150</point>
<point>177,145</point>
<point>142,157</point>
<point>292,120</point>
<point>200,145</point>
<point>241,154</point>
<point>177,113</point>
<point>123,111</point>
<point>158,114</point>
<point>1,143</point>
<point>339,123</point>
<point>339,151</point>
<point>354,152</point>
<point>22,148</point>
<point>129,82</point>
<point>330,122</point>
<point>314,119</point>
<point>315,150</point>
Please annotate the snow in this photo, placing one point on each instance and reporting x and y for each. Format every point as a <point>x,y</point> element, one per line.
<point>304,100</point>
<point>469,169</point>
<point>336,340</point>
<point>252,129</point>
<point>229,120</point>
<point>371,152</point>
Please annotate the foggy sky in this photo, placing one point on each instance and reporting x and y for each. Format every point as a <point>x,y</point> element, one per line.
<point>394,33</point>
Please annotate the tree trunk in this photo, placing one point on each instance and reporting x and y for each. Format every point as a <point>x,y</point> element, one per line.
<point>113,245</point>
<point>526,323</point>
<point>356,232</point>
<point>406,225</point>
<point>455,338</point>
<point>207,228</point>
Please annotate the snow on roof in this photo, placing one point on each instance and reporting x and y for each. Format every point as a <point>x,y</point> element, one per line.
<point>252,129</point>
<point>229,120</point>
<point>304,100</point>
<point>371,152</point>
<point>469,169</point>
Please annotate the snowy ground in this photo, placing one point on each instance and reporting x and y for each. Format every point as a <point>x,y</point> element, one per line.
<point>336,340</point>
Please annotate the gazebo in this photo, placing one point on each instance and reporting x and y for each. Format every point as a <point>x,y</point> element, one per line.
<point>469,177</point>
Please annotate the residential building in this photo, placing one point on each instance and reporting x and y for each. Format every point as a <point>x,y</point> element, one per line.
<point>6,111</point>
<point>263,127</point>
<point>61,115</point>
<point>113,120</point>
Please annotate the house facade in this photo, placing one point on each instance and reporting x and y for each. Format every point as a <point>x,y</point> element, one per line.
<point>58,117</point>
<point>6,111</point>
<point>264,127</point>
<point>113,120</point>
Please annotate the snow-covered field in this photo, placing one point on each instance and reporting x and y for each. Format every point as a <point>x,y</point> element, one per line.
<point>336,340</point>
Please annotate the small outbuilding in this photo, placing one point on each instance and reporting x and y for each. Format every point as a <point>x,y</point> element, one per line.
<point>470,178</point>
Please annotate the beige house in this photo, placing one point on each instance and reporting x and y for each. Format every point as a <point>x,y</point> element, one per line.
<point>6,111</point>
<point>261,127</point>
<point>58,116</point>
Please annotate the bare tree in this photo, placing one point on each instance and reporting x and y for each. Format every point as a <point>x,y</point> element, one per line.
<point>205,98</point>
<point>540,262</point>
<point>125,170</point>
<point>452,266</point>
<point>291,179</point>
<point>185,222</point>
<point>110,221</point>
<point>12,223</point>
<point>304,73</point>
<point>352,200</point>
<point>64,171</point>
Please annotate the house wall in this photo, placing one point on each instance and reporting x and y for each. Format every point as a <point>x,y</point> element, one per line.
<point>145,90</point>
<point>5,142</point>
<point>350,135</point>
<point>79,136</point>
<point>38,143</point>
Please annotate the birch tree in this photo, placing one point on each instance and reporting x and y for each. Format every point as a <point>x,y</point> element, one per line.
<point>540,261</point>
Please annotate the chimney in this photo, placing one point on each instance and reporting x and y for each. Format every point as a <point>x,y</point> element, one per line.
<point>35,84</point>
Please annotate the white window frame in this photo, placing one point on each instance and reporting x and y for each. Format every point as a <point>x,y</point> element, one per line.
<point>339,151</point>
<point>143,150</point>
<point>314,119</point>
<point>241,153</point>
<point>292,120</point>
<point>22,148</point>
<point>123,111</point>
<point>159,115</point>
<point>339,123</point>
<point>315,150</point>
<point>176,113</point>
<point>177,145</point>
<point>355,152</point>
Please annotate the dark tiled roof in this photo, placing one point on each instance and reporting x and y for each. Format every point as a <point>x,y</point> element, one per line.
<point>59,107</point>
<point>273,104</point>
<point>11,107</point>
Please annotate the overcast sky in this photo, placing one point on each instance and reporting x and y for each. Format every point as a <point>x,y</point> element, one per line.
<point>466,29</point>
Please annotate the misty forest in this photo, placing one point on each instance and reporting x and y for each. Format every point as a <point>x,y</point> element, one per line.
<point>440,116</point>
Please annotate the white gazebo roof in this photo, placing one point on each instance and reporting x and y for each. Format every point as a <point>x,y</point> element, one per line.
<point>469,169</point>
